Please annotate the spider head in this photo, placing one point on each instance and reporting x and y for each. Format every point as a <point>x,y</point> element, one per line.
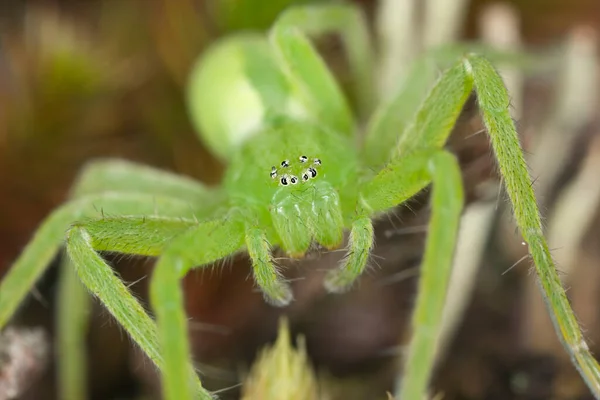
<point>307,213</point>
<point>294,172</point>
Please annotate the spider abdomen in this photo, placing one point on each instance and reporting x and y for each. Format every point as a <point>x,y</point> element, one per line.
<point>246,84</point>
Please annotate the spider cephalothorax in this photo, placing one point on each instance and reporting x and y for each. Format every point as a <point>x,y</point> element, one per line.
<point>289,175</point>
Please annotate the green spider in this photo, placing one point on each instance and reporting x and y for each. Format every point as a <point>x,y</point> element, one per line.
<point>297,177</point>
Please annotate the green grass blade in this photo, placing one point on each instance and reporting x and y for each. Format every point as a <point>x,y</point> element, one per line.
<point>494,103</point>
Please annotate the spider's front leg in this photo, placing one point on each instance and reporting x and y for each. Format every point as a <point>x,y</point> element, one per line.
<point>398,182</point>
<point>49,237</point>
<point>430,130</point>
<point>203,245</point>
<point>114,175</point>
<point>144,236</point>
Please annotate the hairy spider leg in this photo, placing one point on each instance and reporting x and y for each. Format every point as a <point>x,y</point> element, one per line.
<point>275,290</point>
<point>408,175</point>
<point>96,275</point>
<point>44,246</point>
<point>392,118</point>
<point>493,101</point>
<point>417,162</point>
<point>360,243</point>
<point>140,235</point>
<point>114,175</point>
<point>200,246</point>
<point>349,22</point>
<point>430,130</point>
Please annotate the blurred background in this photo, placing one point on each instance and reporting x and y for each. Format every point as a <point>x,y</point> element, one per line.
<point>81,79</point>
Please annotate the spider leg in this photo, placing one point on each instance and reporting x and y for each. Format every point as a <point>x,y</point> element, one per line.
<point>394,115</point>
<point>49,238</point>
<point>409,175</point>
<point>72,323</point>
<point>398,182</point>
<point>124,176</point>
<point>305,68</point>
<point>493,101</point>
<point>73,302</point>
<point>46,242</point>
<point>359,248</point>
<point>349,22</point>
<point>265,274</point>
<point>127,235</point>
<point>204,244</point>
<point>392,120</point>
<point>430,130</point>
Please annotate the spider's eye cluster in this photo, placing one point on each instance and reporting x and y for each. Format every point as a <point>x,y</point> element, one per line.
<point>289,179</point>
